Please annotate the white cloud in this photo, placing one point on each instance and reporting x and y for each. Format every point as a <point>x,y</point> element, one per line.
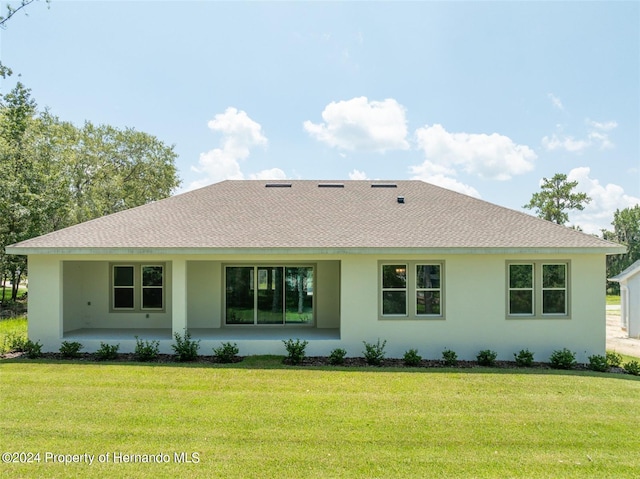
<point>358,175</point>
<point>239,135</point>
<point>567,143</point>
<point>597,136</point>
<point>271,174</point>
<point>605,200</point>
<point>492,156</point>
<point>359,124</point>
<point>556,102</point>
<point>441,176</point>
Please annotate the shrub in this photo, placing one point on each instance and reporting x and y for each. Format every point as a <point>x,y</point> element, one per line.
<point>295,349</point>
<point>598,362</point>
<point>226,353</point>
<point>524,358</point>
<point>185,348</point>
<point>14,342</point>
<point>336,356</point>
<point>412,358</point>
<point>614,360</point>
<point>487,357</point>
<point>70,350</point>
<point>449,358</point>
<point>374,353</point>
<point>632,367</point>
<point>146,350</point>
<point>562,359</point>
<point>32,350</point>
<point>107,352</point>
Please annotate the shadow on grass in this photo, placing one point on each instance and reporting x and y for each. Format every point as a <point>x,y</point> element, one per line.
<point>274,362</point>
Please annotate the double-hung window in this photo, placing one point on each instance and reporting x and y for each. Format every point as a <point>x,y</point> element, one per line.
<point>411,290</point>
<point>137,287</point>
<point>538,289</point>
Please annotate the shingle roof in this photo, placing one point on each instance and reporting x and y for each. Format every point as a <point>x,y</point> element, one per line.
<point>315,215</point>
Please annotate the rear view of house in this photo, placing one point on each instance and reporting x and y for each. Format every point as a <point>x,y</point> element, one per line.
<point>334,263</point>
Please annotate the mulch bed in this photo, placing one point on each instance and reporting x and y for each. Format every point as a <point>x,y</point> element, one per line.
<point>309,361</point>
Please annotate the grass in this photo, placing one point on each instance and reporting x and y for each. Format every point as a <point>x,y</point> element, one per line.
<point>7,292</point>
<point>10,328</point>
<point>259,418</point>
<point>613,300</point>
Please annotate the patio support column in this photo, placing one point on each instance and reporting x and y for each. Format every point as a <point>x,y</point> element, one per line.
<point>179,296</point>
<point>45,301</point>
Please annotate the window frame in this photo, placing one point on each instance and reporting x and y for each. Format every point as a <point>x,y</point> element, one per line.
<point>411,288</point>
<point>138,288</point>
<point>255,267</point>
<point>539,289</point>
<point>143,287</point>
<point>532,289</point>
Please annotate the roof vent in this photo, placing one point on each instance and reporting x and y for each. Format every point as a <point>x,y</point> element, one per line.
<point>278,185</point>
<point>401,199</point>
<point>383,185</point>
<point>330,185</point>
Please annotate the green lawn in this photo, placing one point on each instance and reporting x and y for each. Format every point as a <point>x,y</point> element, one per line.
<point>613,299</point>
<point>259,418</point>
<point>10,329</point>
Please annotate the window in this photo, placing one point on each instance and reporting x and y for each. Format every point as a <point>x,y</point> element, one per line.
<point>123,287</point>
<point>394,289</point>
<point>538,289</point>
<point>428,289</point>
<point>521,289</point>
<point>420,281</point>
<point>152,277</point>
<point>269,295</point>
<point>137,287</point>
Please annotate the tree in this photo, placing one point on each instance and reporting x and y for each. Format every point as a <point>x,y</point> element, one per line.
<point>626,231</point>
<point>11,11</point>
<point>54,174</point>
<point>557,198</point>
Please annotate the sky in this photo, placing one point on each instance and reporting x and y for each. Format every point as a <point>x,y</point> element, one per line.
<point>482,97</point>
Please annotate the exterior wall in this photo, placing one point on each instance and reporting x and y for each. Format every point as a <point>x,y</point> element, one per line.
<point>475,310</point>
<point>86,296</point>
<point>633,305</point>
<point>204,294</point>
<point>346,295</point>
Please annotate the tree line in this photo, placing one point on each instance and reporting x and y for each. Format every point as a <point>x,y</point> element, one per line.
<point>54,174</point>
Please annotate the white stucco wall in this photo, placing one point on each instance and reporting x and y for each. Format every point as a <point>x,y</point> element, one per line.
<point>630,305</point>
<point>474,303</point>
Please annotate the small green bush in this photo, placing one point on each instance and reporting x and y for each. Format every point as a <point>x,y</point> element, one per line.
<point>487,357</point>
<point>146,350</point>
<point>185,348</point>
<point>449,358</point>
<point>226,353</point>
<point>107,352</point>
<point>598,362</point>
<point>614,360</point>
<point>524,358</point>
<point>412,358</point>
<point>71,349</point>
<point>336,357</point>
<point>295,349</point>
<point>562,359</point>
<point>632,367</point>
<point>374,353</point>
<point>32,350</point>
<point>14,342</point>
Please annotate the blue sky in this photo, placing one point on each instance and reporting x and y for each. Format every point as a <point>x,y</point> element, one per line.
<point>485,98</point>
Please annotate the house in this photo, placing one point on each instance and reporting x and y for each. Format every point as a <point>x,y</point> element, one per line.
<point>629,281</point>
<point>333,263</point>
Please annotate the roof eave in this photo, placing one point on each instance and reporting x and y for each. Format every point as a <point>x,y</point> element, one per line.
<point>26,250</point>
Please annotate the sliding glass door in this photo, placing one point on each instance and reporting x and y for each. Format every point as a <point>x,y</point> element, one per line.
<point>264,295</point>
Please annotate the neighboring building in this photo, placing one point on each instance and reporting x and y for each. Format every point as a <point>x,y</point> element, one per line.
<point>334,263</point>
<point>629,281</point>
